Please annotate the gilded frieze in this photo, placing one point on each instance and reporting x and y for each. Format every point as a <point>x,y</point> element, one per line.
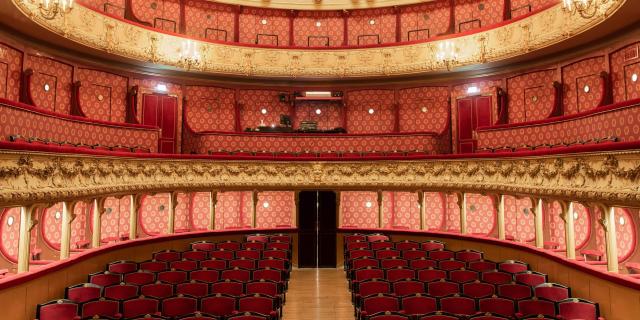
<point>534,32</point>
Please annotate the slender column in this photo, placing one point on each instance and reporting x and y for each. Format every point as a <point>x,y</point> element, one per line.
<point>380,209</point>
<point>98,211</point>
<point>296,209</point>
<point>136,202</point>
<point>65,232</point>
<point>462,205</point>
<point>213,202</point>
<point>173,203</point>
<point>538,222</point>
<point>499,203</point>
<point>339,208</point>
<point>569,232</point>
<point>27,222</point>
<point>254,208</point>
<point>608,223</point>
<point>423,210</point>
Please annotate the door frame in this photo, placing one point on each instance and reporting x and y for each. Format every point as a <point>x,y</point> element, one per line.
<point>178,130</point>
<point>474,117</point>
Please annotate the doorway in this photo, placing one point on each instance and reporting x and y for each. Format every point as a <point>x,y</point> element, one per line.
<point>161,110</point>
<point>317,229</point>
<point>473,112</point>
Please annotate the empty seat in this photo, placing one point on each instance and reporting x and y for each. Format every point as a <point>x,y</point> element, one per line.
<point>489,316</point>
<point>275,253</point>
<point>442,288</point>
<point>496,305</point>
<point>536,306</point>
<point>478,289</point>
<point>153,266</point>
<point>393,263</point>
<point>254,245</point>
<point>431,245</point>
<point>441,254</point>
<point>61,309</point>
<point>367,273</point>
<point>248,316</point>
<point>203,246</point>
<point>274,263</point>
<point>122,266</point>
<point>354,237</point>
<point>370,287</point>
<point>157,290</point>
<point>380,302</point>
<point>463,276</point>
<point>139,307</point>
<point>266,287</point>
<point>399,273</point>
<point>121,291</point>
<point>196,255</point>
<point>184,265</point>
<point>105,278</point>
<point>243,263</point>
<point>430,274</point>
<point>408,286</point>
<point>364,262</point>
<point>256,238</point>
<point>204,275</point>
<point>193,288</point>
<point>451,264</point>
<point>496,277</point>
<point>227,286</point>
<point>468,255</point>
<point>268,274</point>
<point>353,254</point>
<point>236,274</point>
<point>173,276</point>
<point>413,254</point>
<point>575,308</point>
<point>139,278</point>
<point>222,254</point>
<point>100,308</point>
<point>166,255</point>
<point>387,253</point>
<point>179,306</point>
<point>258,303</point>
<point>214,263</point>
<point>530,278</point>
<point>482,265</point>
<point>407,245</point>
<point>513,266</point>
<point>418,304</point>
<point>377,237</point>
<point>379,245</point>
<point>199,316</point>
<point>280,238</point>
<point>515,291</point>
<point>552,291</point>
<point>83,292</point>
<point>278,246</point>
<point>457,304</point>
<point>218,304</point>
<point>249,254</point>
<point>229,245</point>
<point>422,263</point>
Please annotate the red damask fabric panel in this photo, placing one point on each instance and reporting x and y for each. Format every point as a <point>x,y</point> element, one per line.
<point>359,209</point>
<point>318,29</point>
<point>209,20</point>
<point>424,109</point>
<point>50,84</point>
<point>424,21</point>
<point>519,219</point>
<point>10,70</point>
<point>264,26</point>
<point>210,109</point>
<point>161,14</point>
<point>531,96</point>
<point>523,7</point>
<point>253,102</point>
<point>370,111</point>
<point>275,209</point>
<point>582,85</point>
<point>475,14</point>
<point>103,95</point>
<point>625,63</point>
<point>372,26</point>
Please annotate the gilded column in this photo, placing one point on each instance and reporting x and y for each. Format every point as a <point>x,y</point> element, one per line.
<point>213,202</point>
<point>380,209</point>
<point>462,205</point>
<point>254,208</point>
<point>423,210</point>
<point>608,223</point>
<point>98,211</point>
<point>569,232</point>
<point>27,222</point>
<point>173,203</point>
<point>499,203</point>
<point>65,230</point>
<point>136,202</point>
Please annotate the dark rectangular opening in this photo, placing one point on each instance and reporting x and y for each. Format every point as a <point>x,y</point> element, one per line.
<point>317,229</point>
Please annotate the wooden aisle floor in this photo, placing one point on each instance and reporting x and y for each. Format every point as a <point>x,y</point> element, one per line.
<point>317,294</point>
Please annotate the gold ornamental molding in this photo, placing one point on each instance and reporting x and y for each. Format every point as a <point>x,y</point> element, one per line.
<point>322,4</point>
<point>610,178</point>
<point>101,32</point>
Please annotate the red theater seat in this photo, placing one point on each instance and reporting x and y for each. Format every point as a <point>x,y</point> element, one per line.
<point>442,288</point>
<point>236,273</point>
<point>513,266</point>
<point>393,263</point>
<point>575,308</point>
<point>380,302</point>
<point>380,245</point>
<point>496,277</point>
<point>405,245</point>
<point>243,263</point>
<point>157,290</point>
<point>153,266</point>
<point>222,254</point>
<point>229,245</point>
<point>478,289</point>
<point>184,265</point>
<point>275,253</point>
<point>482,265</point>
<point>408,286</point>
<point>463,276</point>
<point>121,291</point>
<point>364,262</point>
<point>441,254</point>
<point>418,303</point>
<point>195,255</point>
<point>248,316</point>
<point>83,292</point>
<point>193,288</point>
<point>179,306</point>
<point>431,245</point>
<point>399,273</point>
<point>199,316</point>
<point>489,316</point>
<point>388,315</point>
<point>57,310</point>
<point>101,308</point>
<point>215,264</point>
<point>139,307</point>
<point>140,278</point>
<point>438,315</point>
<point>422,263</point>
<point>500,306</point>
<point>515,291</point>
<point>531,278</point>
<point>457,304</point>
<point>552,291</point>
<point>414,254</point>
<point>218,304</point>
<point>468,255</point>
<point>268,274</point>
<point>227,286</point>
<point>204,275</point>
<point>105,278</point>
<point>428,275</point>
<point>173,276</point>
<point>536,306</point>
<point>167,255</point>
<point>122,266</point>
<point>203,246</point>
<point>258,303</point>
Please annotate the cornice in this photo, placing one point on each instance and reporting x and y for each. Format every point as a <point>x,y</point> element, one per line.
<point>322,4</point>
<point>609,177</point>
<point>123,39</point>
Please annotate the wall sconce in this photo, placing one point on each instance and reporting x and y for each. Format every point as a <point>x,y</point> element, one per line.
<point>265,204</point>
<point>371,111</point>
<point>368,204</point>
<point>189,55</point>
<point>634,77</point>
<point>263,110</point>
<point>318,111</point>
<point>447,54</point>
<point>10,221</point>
<point>49,9</point>
<point>585,8</point>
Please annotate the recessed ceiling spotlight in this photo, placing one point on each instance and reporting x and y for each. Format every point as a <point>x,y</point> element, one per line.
<point>371,111</point>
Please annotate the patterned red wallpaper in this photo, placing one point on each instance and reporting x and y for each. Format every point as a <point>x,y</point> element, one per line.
<point>625,234</point>
<point>275,209</point>
<point>10,229</point>
<point>582,85</point>
<point>522,7</point>
<point>481,214</point>
<point>582,224</point>
<point>625,63</point>
<point>154,213</point>
<point>209,20</point>
<point>621,123</point>
<point>210,108</point>
<point>360,105</point>
<point>261,106</point>
<point>103,95</point>
<point>264,26</point>
<point>424,109</point>
<point>318,29</point>
<point>531,96</point>
<point>233,210</point>
<point>330,116</point>
<point>162,14</point>
<point>519,219</point>
<point>50,84</point>
<point>112,7</point>
<point>435,212</point>
<point>199,208</point>
<point>359,209</point>
<point>372,26</point>
<point>402,210</point>
<point>10,69</point>
<point>423,21</point>
<point>474,14</point>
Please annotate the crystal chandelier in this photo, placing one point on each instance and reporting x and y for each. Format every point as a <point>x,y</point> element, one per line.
<point>189,55</point>
<point>447,54</point>
<point>49,9</point>
<point>585,8</point>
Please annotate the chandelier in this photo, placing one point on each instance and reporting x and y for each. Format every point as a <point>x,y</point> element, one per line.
<point>49,9</point>
<point>447,54</point>
<point>585,8</point>
<point>189,55</point>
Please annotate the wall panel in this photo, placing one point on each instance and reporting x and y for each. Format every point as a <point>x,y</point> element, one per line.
<point>424,109</point>
<point>103,95</point>
<point>264,26</point>
<point>424,21</point>
<point>360,120</point>
<point>10,70</point>
<point>625,62</point>
<point>318,29</point>
<point>576,77</point>
<point>50,83</point>
<point>372,27</point>
<point>209,20</point>
<point>210,108</point>
<point>531,96</point>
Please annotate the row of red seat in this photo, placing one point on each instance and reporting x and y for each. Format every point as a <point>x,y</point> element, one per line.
<point>413,273</point>
<point>547,145</point>
<point>116,148</point>
<point>177,284</point>
<point>324,154</point>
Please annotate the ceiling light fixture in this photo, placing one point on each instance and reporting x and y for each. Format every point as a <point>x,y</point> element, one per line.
<point>189,55</point>
<point>371,111</point>
<point>447,54</point>
<point>585,8</point>
<point>49,9</point>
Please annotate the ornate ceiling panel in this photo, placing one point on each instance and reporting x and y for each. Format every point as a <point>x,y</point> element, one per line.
<point>118,37</point>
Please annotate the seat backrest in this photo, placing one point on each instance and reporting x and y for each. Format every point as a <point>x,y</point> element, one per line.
<point>463,276</point>
<point>496,277</point>
<point>442,288</point>
<point>369,287</point>
<point>400,273</point>
<point>441,254</point>
<point>173,276</point>
<point>255,245</point>
<point>431,245</point>
<point>387,253</point>
<point>458,305</point>
<point>229,245</point>
<point>105,278</point>
<point>122,266</point>
<point>214,263</point>
<point>422,263</point>
<point>205,275</point>
<point>533,307</point>
<point>468,255</point>
<point>194,288</point>
<point>184,265</point>
<point>266,287</point>
<point>199,316</point>
<point>57,310</point>
<point>100,307</point>
<point>121,291</point>
<point>515,291</point>
<point>428,275</point>
<point>574,308</point>
<point>368,273</point>
<point>275,253</point>
<point>179,306</point>
<point>243,263</point>
<point>451,264</point>
<point>256,303</point>
<point>379,303</point>
<point>248,316</point>
<point>267,274</point>
<point>482,265</point>
<point>513,266</point>
<point>139,278</point>
<point>231,287</point>
<point>552,291</point>
<point>249,253</point>
<point>478,289</point>
<point>274,263</point>
<point>83,292</point>
<point>222,254</point>
<point>380,245</point>
<point>166,255</point>
<point>218,304</point>
<point>153,266</point>
<point>405,287</point>
<point>501,306</point>
<point>203,246</point>
<point>139,307</point>
<point>236,274</point>
<point>393,263</point>
<point>364,262</point>
<point>388,315</point>
<point>407,245</point>
<point>157,290</point>
<point>438,315</point>
<point>531,278</point>
<point>257,238</point>
<point>418,304</point>
<point>196,255</point>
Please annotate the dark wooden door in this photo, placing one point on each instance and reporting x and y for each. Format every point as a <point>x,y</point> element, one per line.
<point>161,110</point>
<point>473,112</point>
<point>317,229</point>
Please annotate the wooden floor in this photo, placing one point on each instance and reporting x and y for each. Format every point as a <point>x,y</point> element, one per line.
<point>318,294</point>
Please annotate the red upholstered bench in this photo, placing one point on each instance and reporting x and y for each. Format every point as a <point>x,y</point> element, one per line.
<point>592,253</point>
<point>633,267</point>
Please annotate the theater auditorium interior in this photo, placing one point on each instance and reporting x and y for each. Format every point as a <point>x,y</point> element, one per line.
<point>320,159</point>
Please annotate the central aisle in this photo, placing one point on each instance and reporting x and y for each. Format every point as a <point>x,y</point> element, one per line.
<point>318,294</point>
